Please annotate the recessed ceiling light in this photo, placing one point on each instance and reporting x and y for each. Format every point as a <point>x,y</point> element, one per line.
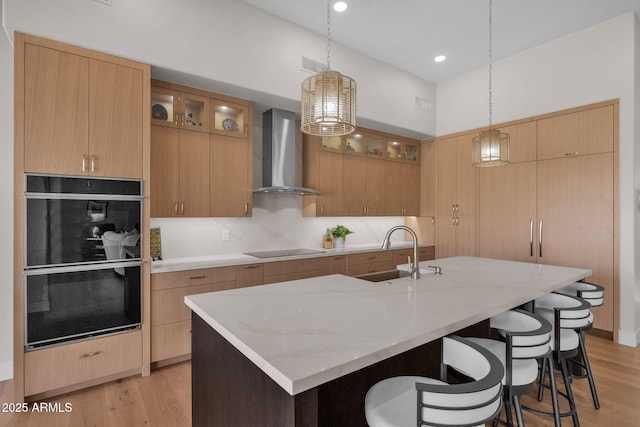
<point>340,6</point>
<point>439,58</point>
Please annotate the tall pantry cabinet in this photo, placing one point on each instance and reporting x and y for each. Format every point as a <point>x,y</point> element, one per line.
<point>555,203</point>
<point>81,113</point>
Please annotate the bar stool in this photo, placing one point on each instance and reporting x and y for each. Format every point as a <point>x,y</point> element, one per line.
<point>527,339</point>
<point>566,314</point>
<point>408,401</point>
<point>594,295</point>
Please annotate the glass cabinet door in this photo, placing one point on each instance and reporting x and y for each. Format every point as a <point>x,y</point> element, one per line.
<point>375,146</point>
<point>229,119</point>
<point>179,110</point>
<point>331,143</point>
<point>394,149</point>
<point>355,144</point>
<point>164,107</point>
<point>194,112</point>
<point>411,152</point>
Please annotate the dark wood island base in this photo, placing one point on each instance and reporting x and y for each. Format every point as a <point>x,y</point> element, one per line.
<point>231,391</point>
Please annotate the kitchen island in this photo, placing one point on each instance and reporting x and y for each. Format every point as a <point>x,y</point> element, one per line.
<point>304,352</point>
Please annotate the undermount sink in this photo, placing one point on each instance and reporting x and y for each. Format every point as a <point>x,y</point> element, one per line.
<point>385,275</point>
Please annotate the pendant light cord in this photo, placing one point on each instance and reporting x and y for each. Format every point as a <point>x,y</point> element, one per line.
<point>328,34</point>
<point>490,64</point>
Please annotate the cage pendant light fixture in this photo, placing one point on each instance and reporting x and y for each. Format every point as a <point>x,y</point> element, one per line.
<point>328,99</point>
<point>491,147</point>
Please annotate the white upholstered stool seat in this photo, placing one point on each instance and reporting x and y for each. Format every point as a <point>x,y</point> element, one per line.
<point>407,401</point>
<point>526,340</point>
<point>592,293</point>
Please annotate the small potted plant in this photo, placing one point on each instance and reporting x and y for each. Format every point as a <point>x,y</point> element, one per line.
<point>339,233</point>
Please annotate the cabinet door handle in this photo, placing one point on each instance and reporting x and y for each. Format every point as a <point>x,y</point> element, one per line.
<point>93,353</point>
<point>453,208</point>
<point>181,208</point>
<point>93,164</point>
<point>197,277</point>
<point>364,209</point>
<point>531,237</point>
<point>321,209</point>
<point>84,163</point>
<point>575,153</point>
<point>175,120</point>
<point>540,240</point>
<point>453,220</point>
<point>246,130</point>
<point>175,209</point>
<point>457,208</point>
<point>246,208</point>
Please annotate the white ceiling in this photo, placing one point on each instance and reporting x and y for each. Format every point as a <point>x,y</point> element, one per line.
<point>410,33</point>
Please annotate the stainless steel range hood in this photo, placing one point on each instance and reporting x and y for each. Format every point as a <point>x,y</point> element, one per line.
<point>280,172</point>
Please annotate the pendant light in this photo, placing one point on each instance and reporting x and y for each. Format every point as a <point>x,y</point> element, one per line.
<point>328,99</point>
<point>490,147</point>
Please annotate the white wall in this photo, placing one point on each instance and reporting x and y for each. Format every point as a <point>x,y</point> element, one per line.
<point>595,64</point>
<point>6,213</point>
<point>229,42</point>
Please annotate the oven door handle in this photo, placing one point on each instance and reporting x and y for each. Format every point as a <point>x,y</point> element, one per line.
<point>66,268</point>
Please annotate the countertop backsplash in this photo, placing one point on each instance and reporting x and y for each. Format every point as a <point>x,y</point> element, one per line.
<point>277,223</point>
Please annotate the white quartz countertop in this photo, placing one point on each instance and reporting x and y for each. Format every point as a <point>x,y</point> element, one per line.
<point>211,261</point>
<point>303,333</point>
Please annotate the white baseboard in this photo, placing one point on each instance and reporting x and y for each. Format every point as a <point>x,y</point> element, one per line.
<point>6,371</point>
<point>630,339</point>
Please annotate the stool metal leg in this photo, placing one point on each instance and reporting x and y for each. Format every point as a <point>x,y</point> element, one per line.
<point>567,384</point>
<point>587,367</point>
<point>554,393</point>
<point>518,409</point>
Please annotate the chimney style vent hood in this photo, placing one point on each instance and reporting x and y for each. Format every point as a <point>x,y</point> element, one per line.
<point>280,173</point>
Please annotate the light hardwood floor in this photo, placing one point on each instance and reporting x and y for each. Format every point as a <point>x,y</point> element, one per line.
<point>164,397</point>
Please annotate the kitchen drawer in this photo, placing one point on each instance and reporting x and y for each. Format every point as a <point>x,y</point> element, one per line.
<point>170,340</point>
<point>295,276</point>
<point>424,254</point>
<point>338,264</point>
<point>369,257</point>
<point>376,267</point>
<point>250,275</point>
<point>65,365</point>
<point>296,266</point>
<point>167,305</point>
<point>192,277</point>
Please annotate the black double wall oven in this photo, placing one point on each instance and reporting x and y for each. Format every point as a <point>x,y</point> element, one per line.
<point>83,264</point>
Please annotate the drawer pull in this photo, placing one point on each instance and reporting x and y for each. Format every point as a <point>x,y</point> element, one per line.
<point>251,266</point>
<point>93,353</point>
<point>198,277</point>
<point>372,257</point>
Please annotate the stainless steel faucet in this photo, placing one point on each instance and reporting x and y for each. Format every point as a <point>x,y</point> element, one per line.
<point>415,268</point>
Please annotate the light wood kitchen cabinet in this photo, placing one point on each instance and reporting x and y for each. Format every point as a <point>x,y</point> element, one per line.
<point>338,264</point>
<point>524,141</point>
<point>369,262</point>
<point>576,221</point>
<point>456,197</point>
<point>170,317</point>
<point>323,171</point>
<point>250,275</point>
<point>402,192</point>
<point>83,116</point>
<point>401,256</point>
<point>230,119</point>
<point>230,177</point>
<point>179,172</point>
<point>507,217</point>
<point>576,133</point>
<point>82,362</point>
<point>364,186</point>
<point>281,271</point>
<point>400,149</point>
<point>560,209</point>
<point>176,109</point>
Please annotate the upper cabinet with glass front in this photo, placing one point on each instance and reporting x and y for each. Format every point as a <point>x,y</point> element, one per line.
<point>403,150</point>
<point>229,119</point>
<point>179,110</point>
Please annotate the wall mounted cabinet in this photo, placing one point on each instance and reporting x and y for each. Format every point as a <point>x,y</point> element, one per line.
<point>179,172</point>
<point>201,162</point>
<point>181,110</point>
<point>362,179</point>
<point>82,115</point>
